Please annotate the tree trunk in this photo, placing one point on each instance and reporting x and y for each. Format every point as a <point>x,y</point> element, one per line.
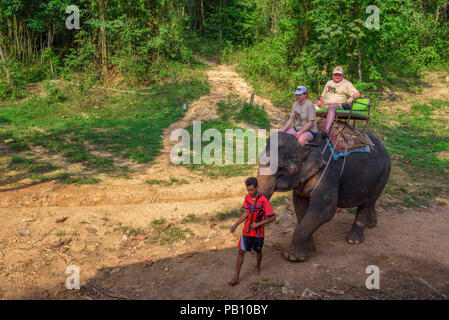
<point>152,5</point>
<point>273,19</point>
<point>29,45</point>
<point>20,41</point>
<point>42,51</point>
<point>16,37</point>
<point>194,16</point>
<point>202,13</point>
<point>2,56</point>
<point>306,25</point>
<point>360,63</point>
<point>221,25</point>
<point>49,46</point>
<point>104,62</point>
<point>251,100</point>
<point>437,13</point>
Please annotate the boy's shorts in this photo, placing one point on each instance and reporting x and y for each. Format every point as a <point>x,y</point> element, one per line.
<point>247,243</point>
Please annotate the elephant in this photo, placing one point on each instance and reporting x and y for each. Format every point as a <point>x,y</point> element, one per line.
<point>299,169</point>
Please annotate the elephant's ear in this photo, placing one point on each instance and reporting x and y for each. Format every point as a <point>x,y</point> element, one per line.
<point>310,166</point>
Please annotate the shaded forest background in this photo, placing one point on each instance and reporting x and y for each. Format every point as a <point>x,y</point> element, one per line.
<point>284,42</point>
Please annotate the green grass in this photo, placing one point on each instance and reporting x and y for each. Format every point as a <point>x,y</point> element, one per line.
<point>413,194</point>
<point>42,167</point>
<point>253,115</point>
<point>155,182</point>
<point>158,222</point>
<point>80,179</point>
<point>418,138</point>
<point>278,200</point>
<point>164,233</point>
<point>15,160</point>
<point>64,178</point>
<point>243,112</point>
<point>30,168</point>
<point>130,231</point>
<point>221,216</point>
<point>30,165</point>
<point>170,182</point>
<point>220,169</point>
<point>216,171</point>
<point>16,145</point>
<point>73,122</point>
<point>191,218</point>
<point>227,110</point>
<point>352,210</point>
<point>4,120</point>
<point>415,141</point>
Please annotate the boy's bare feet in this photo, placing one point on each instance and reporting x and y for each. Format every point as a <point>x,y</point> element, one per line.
<point>256,271</point>
<point>233,282</point>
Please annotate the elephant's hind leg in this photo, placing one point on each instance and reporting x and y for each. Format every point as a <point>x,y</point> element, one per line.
<point>365,217</point>
<point>371,221</point>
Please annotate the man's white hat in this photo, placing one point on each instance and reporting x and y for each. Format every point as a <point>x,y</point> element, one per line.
<point>338,70</point>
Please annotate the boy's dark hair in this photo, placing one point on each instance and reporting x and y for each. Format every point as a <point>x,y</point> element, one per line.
<point>251,181</point>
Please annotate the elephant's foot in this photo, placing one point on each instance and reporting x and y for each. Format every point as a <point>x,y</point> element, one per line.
<point>294,257</point>
<point>298,254</point>
<point>356,235</point>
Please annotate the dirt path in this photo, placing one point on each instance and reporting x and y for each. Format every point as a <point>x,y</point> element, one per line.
<point>106,230</point>
<point>223,81</point>
<point>410,250</point>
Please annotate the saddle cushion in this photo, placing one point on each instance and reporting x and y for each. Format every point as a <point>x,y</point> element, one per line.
<point>344,137</point>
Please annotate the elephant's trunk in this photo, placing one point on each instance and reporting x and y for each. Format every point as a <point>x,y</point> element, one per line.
<point>266,184</point>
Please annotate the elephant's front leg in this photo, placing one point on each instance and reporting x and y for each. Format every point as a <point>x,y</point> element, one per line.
<point>301,204</point>
<point>318,212</point>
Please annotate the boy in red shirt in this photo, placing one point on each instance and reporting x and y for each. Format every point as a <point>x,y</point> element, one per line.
<point>258,213</point>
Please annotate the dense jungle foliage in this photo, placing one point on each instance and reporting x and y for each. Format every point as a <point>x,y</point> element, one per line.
<point>285,42</point>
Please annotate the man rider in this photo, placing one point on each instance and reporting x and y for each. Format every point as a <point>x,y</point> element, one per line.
<point>338,93</point>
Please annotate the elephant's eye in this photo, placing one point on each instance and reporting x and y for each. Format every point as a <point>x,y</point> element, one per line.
<point>292,169</point>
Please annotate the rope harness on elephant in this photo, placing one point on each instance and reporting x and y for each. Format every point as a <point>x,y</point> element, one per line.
<point>325,168</point>
<point>344,161</point>
<point>328,162</point>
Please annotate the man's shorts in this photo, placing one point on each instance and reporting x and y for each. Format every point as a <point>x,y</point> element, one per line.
<point>251,243</point>
<point>340,106</point>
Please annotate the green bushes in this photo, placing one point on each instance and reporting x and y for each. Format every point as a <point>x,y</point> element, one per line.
<point>309,40</point>
<point>19,75</point>
<point>285,43</point>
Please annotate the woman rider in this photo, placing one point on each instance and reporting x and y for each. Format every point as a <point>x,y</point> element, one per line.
<point>303,113</point>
